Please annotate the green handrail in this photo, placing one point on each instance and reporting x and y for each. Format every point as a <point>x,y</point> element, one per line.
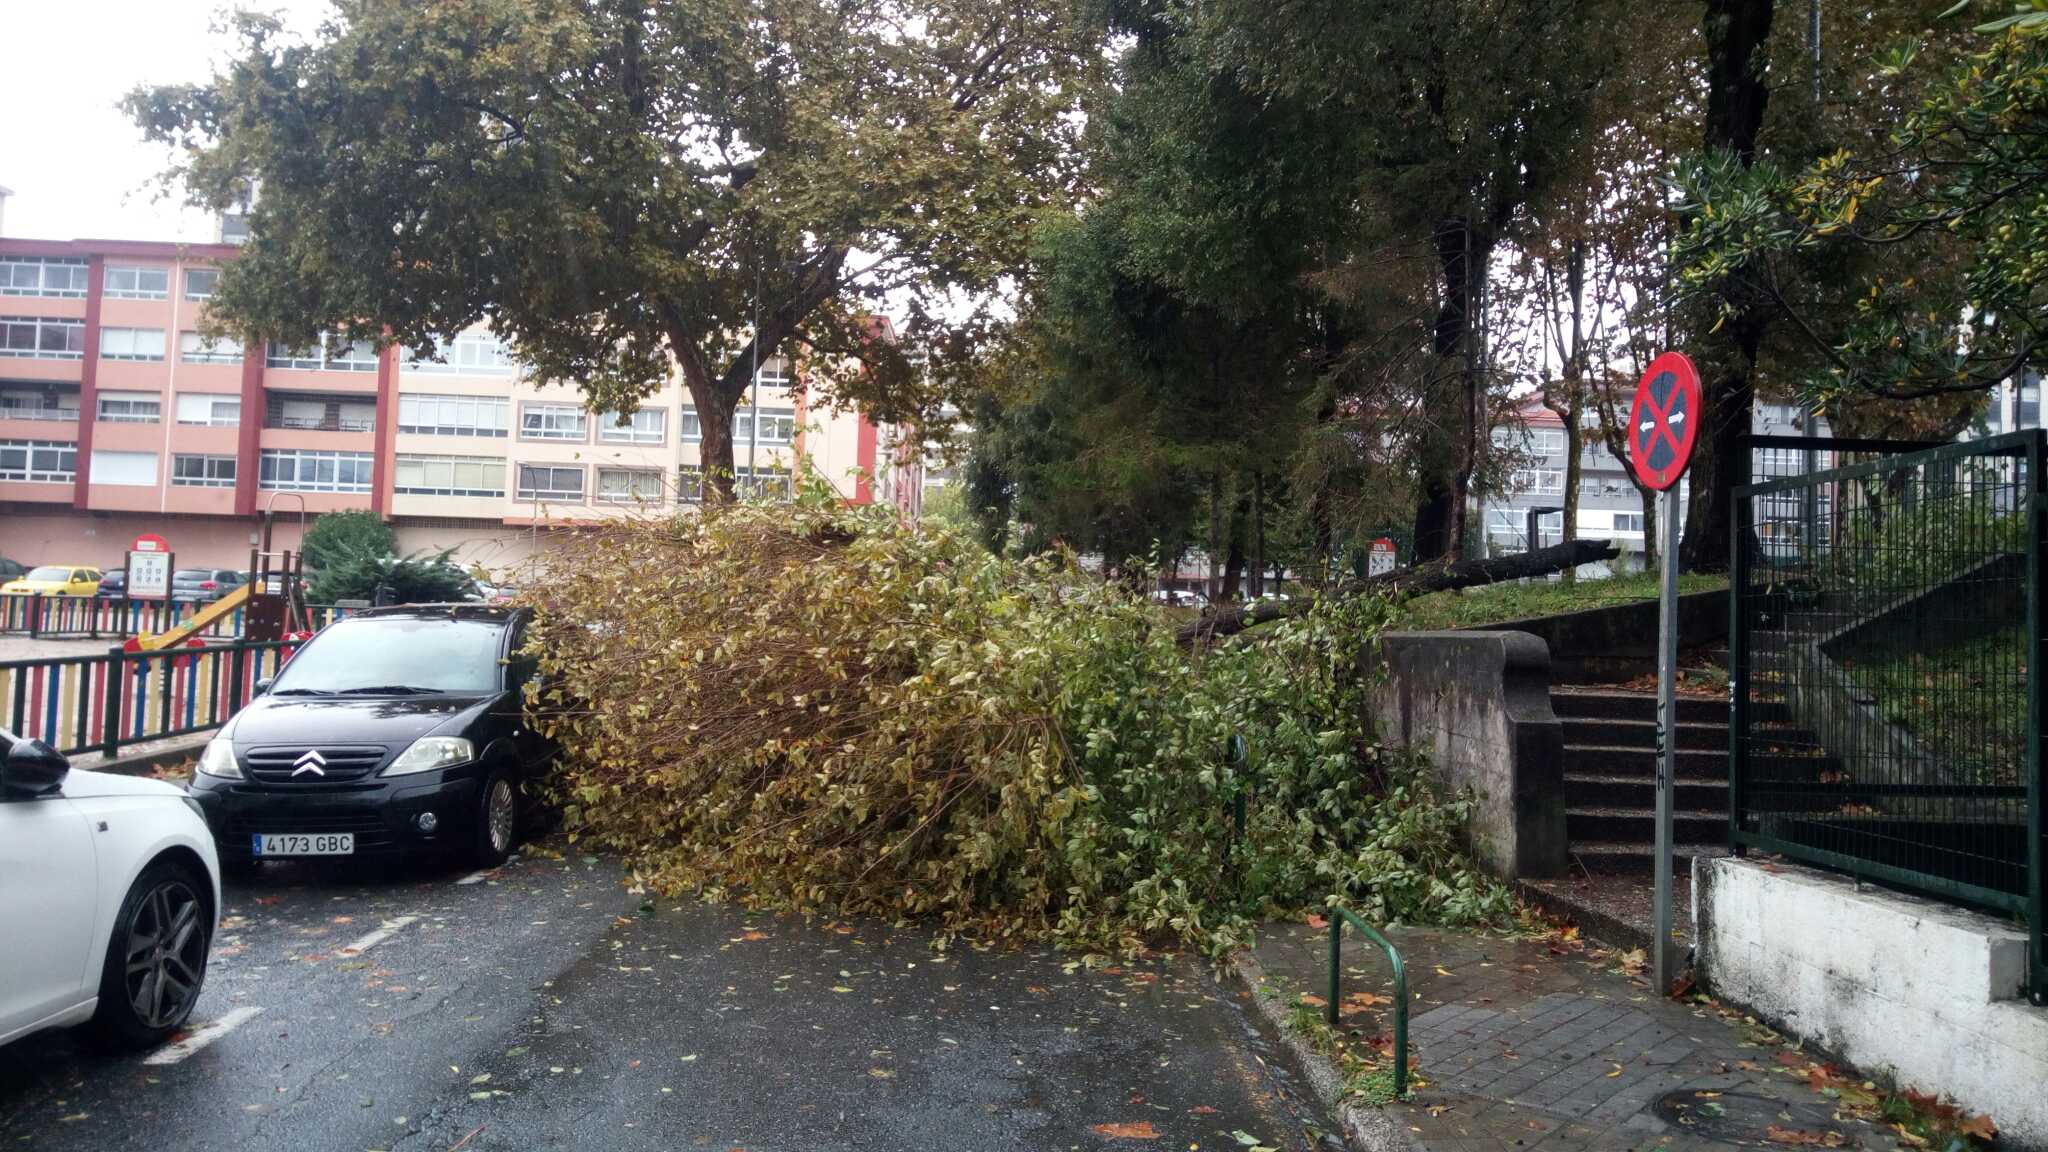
<point>1400,987</point>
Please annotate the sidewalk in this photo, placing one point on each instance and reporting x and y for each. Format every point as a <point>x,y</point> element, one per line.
<point>1517,1043</point>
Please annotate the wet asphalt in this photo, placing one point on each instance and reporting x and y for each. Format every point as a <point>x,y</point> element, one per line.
<point>547,1006</point>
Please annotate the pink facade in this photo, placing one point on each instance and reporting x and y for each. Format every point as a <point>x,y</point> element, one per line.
<point>116,420</point>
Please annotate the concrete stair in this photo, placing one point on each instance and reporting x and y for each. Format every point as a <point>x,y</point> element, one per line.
<point>1610,778</point>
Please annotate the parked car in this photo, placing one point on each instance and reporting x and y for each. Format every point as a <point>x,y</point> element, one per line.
<point>111,897</point>
<point>397,731</point>
<point>1179,598</point>
<point>55,580</point>
<point>204,585</point>
<point>11,569</point>
<point>113,584</point>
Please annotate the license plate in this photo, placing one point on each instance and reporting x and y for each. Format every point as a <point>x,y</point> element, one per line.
<point>304,844</point>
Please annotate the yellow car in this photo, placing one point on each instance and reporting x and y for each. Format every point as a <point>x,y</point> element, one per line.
<point>54,580</point>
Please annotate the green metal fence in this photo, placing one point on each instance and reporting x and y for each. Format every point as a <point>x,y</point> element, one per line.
<point>1884,656</point>
<point>100,703</point>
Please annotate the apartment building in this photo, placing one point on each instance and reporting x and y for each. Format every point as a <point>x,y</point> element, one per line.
<point>116,418</point>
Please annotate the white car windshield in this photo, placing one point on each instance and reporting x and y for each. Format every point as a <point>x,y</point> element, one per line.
<point>397,655</point>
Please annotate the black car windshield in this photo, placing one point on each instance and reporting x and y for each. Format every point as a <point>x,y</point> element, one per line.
<point>397,654</point>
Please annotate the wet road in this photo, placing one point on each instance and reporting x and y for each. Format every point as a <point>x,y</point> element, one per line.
<point>546,1006</point>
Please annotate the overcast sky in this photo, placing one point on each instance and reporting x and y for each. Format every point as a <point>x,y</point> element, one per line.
<point>77,166</point>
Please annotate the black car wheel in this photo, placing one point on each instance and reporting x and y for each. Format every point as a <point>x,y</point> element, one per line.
<point>497,821</point>
<point>156,961</point>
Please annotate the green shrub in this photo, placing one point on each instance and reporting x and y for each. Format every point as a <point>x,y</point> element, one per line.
<point>818,708</point>
<point>338,536</point>
<point>416,579</point>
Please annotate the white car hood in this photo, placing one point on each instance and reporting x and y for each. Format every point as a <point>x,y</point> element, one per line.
<point>85,784</point>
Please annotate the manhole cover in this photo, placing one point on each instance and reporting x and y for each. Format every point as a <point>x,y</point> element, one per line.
<point>1746,1118</point>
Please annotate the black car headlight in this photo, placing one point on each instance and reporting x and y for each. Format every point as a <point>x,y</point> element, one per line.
<point>430,752</point>
<point>219,759</point>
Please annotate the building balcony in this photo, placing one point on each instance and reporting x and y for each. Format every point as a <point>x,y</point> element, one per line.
<point>322,423</point>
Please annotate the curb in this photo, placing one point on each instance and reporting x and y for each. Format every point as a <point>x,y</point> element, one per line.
<point>1366,1129</point>
<point>144,763</point>
<point>1593,922</point>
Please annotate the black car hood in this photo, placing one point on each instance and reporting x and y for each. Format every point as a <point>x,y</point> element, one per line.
<point>393,721</point>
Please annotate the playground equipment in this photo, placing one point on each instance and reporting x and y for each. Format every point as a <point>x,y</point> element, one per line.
<point>273,601</point>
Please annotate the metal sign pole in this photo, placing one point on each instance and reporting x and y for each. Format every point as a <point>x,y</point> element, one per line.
<point>1664,961</point>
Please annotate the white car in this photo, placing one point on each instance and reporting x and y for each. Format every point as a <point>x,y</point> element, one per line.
<point>109,894</point>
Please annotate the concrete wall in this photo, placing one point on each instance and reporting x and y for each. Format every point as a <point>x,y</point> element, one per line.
<point>1478,703</point>
<point>1887,981</point>
<point>1606,645</point>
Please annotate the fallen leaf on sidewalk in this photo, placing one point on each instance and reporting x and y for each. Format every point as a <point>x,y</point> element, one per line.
<point>1142,1130</point>
<point>1979,1126</point>
<point>1366,1000</point>
<point>1312,1000</point>
<point>1777,1135</point>
<point>1315,921</point>
<point>1616,1071</point>
<point>1634,961</point>
<point>1790,1059</point>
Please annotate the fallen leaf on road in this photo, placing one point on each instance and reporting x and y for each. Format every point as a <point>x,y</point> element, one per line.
<point>1790,1059</point>
<point>74,1118</point>
<point>1979,1126</point>
<point>1440,971</point>
<point>1203,1110</point>
<point>752,936</point>
<point>1142,1130</point>
<point>268,899</point>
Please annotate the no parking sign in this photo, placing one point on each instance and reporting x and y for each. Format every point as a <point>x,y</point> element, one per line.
<point>1664,421</point>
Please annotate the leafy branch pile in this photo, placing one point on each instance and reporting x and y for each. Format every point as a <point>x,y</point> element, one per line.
<point>816,708</point>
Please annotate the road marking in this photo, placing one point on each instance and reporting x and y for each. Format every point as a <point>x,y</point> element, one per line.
<point>203,1035</point>
<point>370,940</point>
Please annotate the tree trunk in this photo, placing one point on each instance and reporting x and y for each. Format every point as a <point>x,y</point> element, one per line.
<point>1415,580</point>
<point>1258,533</point>
<point>1737,32</point>
<point>714,448</point>
<point>1233,570</point>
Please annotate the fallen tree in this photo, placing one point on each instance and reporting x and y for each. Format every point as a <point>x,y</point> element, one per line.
<point>812,707</point>
<point>1401,583</point>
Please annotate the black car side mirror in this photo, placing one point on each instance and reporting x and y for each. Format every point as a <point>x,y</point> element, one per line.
<point>263,685</point>
<point>32,768</point>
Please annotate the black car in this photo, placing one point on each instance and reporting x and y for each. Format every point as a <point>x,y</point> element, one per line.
<point>113,584</point>
<point>204,585</point>
<point>11,569</point>
<point>395,731</point>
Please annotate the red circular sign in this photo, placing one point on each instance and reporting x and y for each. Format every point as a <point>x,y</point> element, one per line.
<point>150,542</point>
<point>1664,421</point>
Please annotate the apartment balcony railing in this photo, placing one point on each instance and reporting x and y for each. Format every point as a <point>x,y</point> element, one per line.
<point>37,412</point>
<point>322,423</point>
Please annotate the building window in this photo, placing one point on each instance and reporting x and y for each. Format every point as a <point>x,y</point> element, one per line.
<point>450,475</point>
<point>41,276</point>
<point>332,354</point>
<point>691,428</point>
<point>48,338</point>
<point>201,282</point>
<point>551,483</point>
<point>300,470</point>
<point>770,483</point>
<point>38,461</point>
<point>195,349</point>
<point>131,343</point>
<point>774,374</point>
<point>454,415</point>
<point>628,486</point>
<point>37,404</point>
<point>131,407</point>
<point>202,471</point>
<point>551,422</point>
<point>1536,481</point>
<point>646,426</point>
<point>138,283</point>
<point>778,426</point>
<point>690,484</point>
<point>1517,438</point>
<point>470,354</point>
<point>209,410</point>
<point>1628,521</point>
<point>134,469</point>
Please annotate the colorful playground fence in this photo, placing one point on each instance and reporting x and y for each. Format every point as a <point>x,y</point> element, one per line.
<point>95,617</point>
<point>100,703</point>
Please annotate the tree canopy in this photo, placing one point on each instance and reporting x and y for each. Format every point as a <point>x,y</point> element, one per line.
<point>618,187</point>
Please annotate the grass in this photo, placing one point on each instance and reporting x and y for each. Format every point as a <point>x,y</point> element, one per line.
<point>1966,701</point>
<point>1498,603</point>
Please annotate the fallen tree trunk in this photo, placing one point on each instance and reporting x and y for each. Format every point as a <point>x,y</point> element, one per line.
<point>1417,580</point>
